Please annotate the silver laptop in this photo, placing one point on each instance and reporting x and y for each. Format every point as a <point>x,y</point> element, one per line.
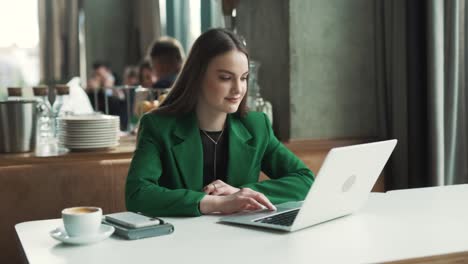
<point>340,188</point>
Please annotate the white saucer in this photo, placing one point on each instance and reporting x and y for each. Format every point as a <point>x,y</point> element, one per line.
<point>61,235</point>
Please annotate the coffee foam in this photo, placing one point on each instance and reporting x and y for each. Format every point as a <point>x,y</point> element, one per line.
<point>81,210</point>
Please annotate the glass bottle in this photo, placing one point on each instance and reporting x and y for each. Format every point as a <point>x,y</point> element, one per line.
<point>255,101</point>
<point>45,130</point>
<point>253,85</point>
<point>61,106</point>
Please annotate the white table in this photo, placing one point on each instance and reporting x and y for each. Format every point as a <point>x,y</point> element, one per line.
<point>392,226</point>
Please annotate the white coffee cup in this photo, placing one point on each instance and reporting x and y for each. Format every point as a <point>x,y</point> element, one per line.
<point>82,220</point>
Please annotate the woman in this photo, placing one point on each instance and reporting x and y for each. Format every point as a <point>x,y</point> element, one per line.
<point>201,152</point>
<point>147,77</point>
<point>131,76</point>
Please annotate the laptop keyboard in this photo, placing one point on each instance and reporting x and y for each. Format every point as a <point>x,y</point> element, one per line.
<point>283,219</point>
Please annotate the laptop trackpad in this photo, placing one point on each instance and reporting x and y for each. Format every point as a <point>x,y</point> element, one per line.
<point>289,205</point>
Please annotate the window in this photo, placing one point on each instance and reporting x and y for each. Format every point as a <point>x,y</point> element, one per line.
<point>181,19</point>
<point>19,44</point>
<point>194,29</point>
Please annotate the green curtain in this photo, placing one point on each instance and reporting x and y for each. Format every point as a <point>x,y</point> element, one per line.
<point>211,15</point>
<point>177,20</point>
<point>446,71</point>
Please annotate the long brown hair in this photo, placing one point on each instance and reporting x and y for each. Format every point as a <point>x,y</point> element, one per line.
<point>183,96</point>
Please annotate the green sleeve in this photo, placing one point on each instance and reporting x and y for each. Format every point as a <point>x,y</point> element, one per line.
<point>143,193</point>
<point>290,179</point>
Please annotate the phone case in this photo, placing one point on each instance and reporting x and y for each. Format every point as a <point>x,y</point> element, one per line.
<point>132,220</point>
<point>142,232</point>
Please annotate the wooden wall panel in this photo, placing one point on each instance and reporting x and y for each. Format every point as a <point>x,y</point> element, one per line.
<point>40,192</point>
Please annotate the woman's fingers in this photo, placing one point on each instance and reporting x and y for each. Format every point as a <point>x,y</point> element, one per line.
<point>235,200</point>
<point>219,187</point>
<point>255,205</point>
<point>207,189</point>
<point>248,203</point>
<point>212,187</point>
<point>243,200</point>
<point>259,197</point>
<point>222,190</point>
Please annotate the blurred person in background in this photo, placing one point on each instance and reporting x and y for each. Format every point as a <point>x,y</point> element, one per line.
<point>146,75</point>
<point>167,57</point>
<point>101,77</point>
<point>131,76</point>
<point>131,79</point>
<point>99,88</point>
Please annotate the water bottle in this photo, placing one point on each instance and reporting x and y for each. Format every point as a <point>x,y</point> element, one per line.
<point>46,145</point>
<point>61,107</point>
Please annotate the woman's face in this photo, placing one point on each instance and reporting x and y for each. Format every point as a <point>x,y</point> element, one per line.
<point>225,82</point>
<point>147,78</point>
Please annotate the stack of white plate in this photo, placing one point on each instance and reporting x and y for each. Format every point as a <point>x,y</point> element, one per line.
<point>89,131</point>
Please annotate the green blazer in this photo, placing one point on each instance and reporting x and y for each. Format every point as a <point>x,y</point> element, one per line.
<point>166,173</point>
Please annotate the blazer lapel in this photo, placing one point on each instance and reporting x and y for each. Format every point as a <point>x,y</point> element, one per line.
<point>241,154</point>
<point>189,152</point>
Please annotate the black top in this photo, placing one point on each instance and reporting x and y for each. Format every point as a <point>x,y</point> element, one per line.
<point>166,82</point>
<point>221,156</point>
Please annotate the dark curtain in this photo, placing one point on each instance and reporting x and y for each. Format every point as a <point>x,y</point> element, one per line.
<point>58,39</point>
<point>421,93</point>
<point>144,29</point>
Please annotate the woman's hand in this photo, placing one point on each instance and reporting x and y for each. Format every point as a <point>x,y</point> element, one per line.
<point>245,199</point>
<point>219,187</point>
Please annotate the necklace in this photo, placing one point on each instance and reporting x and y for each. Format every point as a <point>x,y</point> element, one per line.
<point>215,142</point>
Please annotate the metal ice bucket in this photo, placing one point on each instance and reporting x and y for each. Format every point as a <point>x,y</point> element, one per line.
<point>17,126</point>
